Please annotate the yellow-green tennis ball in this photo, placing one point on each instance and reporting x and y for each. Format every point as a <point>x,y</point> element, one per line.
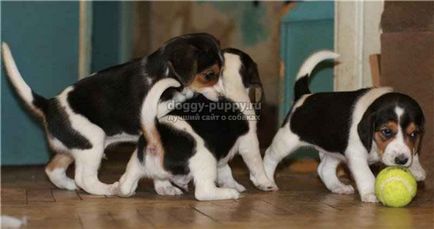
<point>395,187</point>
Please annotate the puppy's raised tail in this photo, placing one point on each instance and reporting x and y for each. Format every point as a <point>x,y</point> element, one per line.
<point>35,102</point>
<point>301,86</point>
<point>150,112</point>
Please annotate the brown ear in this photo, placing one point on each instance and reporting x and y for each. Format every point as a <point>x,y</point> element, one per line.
<point>253,81</point>
<point>256,93</point>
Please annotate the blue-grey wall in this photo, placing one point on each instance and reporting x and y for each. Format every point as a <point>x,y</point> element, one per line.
<point>43,37</point>
<point>307,28</point>
<point>111,33</point>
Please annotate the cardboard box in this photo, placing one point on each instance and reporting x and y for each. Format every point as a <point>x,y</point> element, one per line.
<point>407,61</point>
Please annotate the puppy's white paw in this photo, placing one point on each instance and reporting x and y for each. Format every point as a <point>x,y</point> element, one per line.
<point>115,189</point>
<point>269,187</point>
<point>60,180</point>
<point>239,187</point>
<point>184,187</point>
<point>343,189</point>
<point>168,190</point>
<point>265,185</point>
<point>235,185</point>
<point>122,190</point>
<point>419,175</point>
<point>369,198</point>
<point>227,193</point>
<point>218,194</point>
<point>70,185</point>
<point>232,194</point>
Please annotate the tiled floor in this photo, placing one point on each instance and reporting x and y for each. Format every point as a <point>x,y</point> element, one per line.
<point>301,202</point>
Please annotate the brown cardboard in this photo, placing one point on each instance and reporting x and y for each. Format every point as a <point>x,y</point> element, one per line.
<point>408,16</point>
<point>407,64</point>
<point>374,63</point>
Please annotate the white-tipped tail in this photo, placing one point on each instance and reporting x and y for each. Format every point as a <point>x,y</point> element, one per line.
<point>314,60</point>
<point>150,105</point>
<point>23,90</point>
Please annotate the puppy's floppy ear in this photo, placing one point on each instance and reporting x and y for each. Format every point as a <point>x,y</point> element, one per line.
<point>366,129</point>
<point>189,54</point>
<point>253,82</point>
<point>256,93</point>
<point>182,62</point>
<point>256,96</point>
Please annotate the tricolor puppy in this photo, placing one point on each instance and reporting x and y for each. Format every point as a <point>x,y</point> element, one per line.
<point>355,127</point>
<point>108,106</point>
<point>199,140</point>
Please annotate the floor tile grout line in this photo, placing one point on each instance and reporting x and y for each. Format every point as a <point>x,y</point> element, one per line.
<point>203,213</point>
<point>146,219</point>
<point>80,220</point>
<point>78,194</point>
<point>336,208</point>
<point>280,208</point>
<point>27,198</point>
<point>51,194</point>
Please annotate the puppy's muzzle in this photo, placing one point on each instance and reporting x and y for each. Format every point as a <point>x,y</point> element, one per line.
<point>213,93</point>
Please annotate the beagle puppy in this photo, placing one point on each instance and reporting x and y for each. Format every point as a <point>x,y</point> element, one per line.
<point>107,106</point>
<point>355,127</point>
<point>200,136</point>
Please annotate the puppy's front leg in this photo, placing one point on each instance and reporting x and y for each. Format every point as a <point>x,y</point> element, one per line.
<point>327,172</point>
<point>87,163</point>
<point>365,179</point>
<point>416,169</point>
<point>249,151</point>
<point>203,168</point>
<point>226,180</point>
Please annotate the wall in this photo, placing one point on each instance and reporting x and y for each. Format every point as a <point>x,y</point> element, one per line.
<point>251,27</point>
<point>111,34</point>
<point>43,37</point>
<point>357,35</point>
<point>407,63</point>
<point>305,29</point>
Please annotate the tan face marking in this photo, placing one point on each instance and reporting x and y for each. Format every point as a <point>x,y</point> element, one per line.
<point>207,78</point>
<point>412,137</point>
<point>384,135</point>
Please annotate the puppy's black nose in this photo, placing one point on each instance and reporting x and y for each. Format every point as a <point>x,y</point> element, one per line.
<point>401,160</point>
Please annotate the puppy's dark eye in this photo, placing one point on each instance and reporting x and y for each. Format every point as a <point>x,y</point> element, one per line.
<point>413,135</point>
<point>209,76</point>
<point>388,133</point>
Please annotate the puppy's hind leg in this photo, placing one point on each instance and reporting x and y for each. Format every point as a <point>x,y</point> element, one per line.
<point>327,172</point>
<point>87,163</point>
<point>203,167</point>
<point>226,180</point>
<point>284,143</point>
<point>128,183</point>
<point>56,171</point>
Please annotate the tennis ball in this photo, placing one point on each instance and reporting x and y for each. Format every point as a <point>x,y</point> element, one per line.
<point>395,187</point>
